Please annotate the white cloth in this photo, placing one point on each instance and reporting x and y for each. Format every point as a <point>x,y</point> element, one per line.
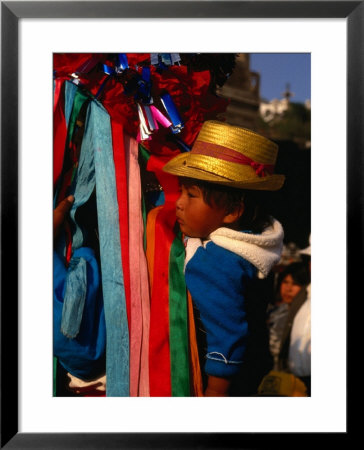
<point>262,250</point>
<point>299,356</point>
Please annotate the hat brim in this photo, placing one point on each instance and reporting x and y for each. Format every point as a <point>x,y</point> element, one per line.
<point>185,165</point>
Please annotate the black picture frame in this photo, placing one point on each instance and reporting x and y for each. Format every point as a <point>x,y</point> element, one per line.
<point>11,12</point>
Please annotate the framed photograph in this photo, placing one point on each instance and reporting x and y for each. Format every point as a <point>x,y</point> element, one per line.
<point>31,32</point>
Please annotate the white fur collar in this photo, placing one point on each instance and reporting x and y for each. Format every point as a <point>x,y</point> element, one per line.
<point>262,250</point>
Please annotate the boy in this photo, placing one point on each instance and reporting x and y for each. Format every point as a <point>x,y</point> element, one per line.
<point>231,242</point>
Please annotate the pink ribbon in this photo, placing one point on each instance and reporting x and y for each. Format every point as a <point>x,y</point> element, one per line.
<point>139,284</point>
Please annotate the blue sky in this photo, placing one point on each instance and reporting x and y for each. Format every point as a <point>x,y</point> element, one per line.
<point>278,69</point>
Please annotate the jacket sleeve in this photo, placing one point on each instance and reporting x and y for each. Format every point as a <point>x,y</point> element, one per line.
<point>217,280</point>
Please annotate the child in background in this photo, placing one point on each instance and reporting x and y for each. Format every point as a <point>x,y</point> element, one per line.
<point>232,242</point>
<point>289,283</point>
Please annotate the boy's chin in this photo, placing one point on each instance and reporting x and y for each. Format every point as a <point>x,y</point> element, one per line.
<point>192,234</point>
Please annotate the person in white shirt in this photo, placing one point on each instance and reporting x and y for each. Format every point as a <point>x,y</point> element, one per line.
<point>299,354</point>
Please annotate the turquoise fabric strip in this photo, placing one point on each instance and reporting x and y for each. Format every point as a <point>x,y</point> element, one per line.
<point>74,297</point>
<point>83,185</point>
<point>85,179</point>
<point>70,92</point>
<point>117,333</point>
<point>76,283</point>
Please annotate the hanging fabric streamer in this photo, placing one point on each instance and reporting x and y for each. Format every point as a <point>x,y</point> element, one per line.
<point>117,349</point>
<point>74,298</point>
<point>79,324</point>
<point>66,181</point>
<point>122,197</point>
<point>139,283</point>
<point>76,283</point>
<point>172,112</point>
<point>169,317</point>
<point>70,160</point>
<point>59,130</point>
<point>149,117</point>
<point>159,347</point>
<point>122,62</point>
<point>178,320</point>
<point>168,59</point>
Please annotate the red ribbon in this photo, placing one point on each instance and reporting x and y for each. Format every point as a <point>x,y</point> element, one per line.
<point>159,348</point>
<point>59,130</point>
<point>230,155</point>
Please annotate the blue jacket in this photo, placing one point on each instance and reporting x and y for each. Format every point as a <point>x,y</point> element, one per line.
<point>84,355</point>
<point>217,280</point>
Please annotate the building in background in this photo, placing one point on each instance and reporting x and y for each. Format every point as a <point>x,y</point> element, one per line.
<point>282,119</point>
<point>275,109</point>
<point>242,89</point>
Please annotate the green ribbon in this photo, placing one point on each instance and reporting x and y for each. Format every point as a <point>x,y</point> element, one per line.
<point>79,100</point>
<point>178,321</point>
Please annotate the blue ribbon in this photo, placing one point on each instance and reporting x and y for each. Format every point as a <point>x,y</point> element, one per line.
<point>123,62</point>
<point>144,87</point>
<point>111,71</point>
<point>120,66</point>
<point>166,59</point>
<point>162,60</point>
<point>172,112</point>
<point>108,70</point>
<point>117,342</point>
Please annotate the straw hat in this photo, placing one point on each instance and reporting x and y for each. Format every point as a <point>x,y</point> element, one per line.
<point>231,156</point>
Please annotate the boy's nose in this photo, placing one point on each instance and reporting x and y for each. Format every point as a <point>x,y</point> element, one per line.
<point>179,203</point>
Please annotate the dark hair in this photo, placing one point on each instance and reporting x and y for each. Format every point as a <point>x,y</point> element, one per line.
<point>298,272</point>
<point>255,217</point>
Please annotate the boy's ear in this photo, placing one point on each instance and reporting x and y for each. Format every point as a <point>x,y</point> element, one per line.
<point>235,215</point>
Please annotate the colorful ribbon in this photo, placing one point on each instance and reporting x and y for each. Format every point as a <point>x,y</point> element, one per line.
<point>172,112</point>
<point>117,348</point>
<point>168,346</point>
<point>59,129</point>
<point>149,117</point>
<point>139,283</point>
<point>178,320</point>
<point>122,198</point>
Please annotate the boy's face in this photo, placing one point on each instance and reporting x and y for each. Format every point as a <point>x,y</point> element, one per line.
<point>195,217</point>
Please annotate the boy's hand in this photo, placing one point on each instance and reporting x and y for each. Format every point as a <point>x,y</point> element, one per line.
<point>217,387</point>
<point>59,214</point>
